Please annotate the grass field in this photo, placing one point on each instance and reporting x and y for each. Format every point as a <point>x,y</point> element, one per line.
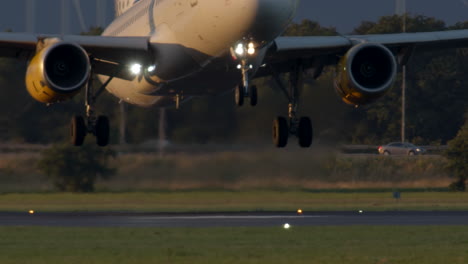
<point>242,170</point>
<point>238,181</point>
<point>327,245</point>
<point>209,201</point>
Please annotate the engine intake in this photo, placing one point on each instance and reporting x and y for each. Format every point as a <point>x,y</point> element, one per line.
<point>58,72</point>
<point>365,73</point>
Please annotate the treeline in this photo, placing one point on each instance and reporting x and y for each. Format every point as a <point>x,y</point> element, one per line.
<point>437,97</point>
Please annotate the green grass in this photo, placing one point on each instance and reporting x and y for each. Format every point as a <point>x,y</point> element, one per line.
<point>194,201</point>
<point>330,245</point>
<point>242,170</point>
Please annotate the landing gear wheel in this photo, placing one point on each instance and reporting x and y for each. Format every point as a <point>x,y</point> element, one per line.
<point>239,95</point>
<point>102,131</point>
<point>280,132</point>
<point>305,132</point>
<point>77,131</point>
<point>253,95</point>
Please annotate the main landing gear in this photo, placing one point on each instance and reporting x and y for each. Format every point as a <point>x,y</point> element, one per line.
<point>91,124</point>
<point>292,126</point>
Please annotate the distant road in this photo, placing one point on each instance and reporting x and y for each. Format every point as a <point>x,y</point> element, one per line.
<point>233,219</point>
<point>153,147</point>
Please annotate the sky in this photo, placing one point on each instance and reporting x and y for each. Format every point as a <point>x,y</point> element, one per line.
<point>342,14</point>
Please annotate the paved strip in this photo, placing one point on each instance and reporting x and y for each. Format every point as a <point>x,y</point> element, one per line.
<point>232,219</point>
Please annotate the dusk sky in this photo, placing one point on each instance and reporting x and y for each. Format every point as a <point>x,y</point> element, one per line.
<point>342,14</point>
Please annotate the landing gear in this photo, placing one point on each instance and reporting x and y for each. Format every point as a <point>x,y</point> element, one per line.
<point>239,95</point>
<point>305,132</point>
<point>300,127</point>
<point>242,53</point>
<point>280,132</point>
<point>253,95</point>
<point>102,131</point>
<point>77,130</point>
<point>98,126</point>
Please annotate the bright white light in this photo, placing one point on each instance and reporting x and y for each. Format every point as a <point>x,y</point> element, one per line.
<point>151,68</point>
<point>360,211</point>
<point>240,49</point>
<point>239,66</point>
<point>251,49</point>
<point>136,68</point>
<point>251,66</point>
<point>287,226</point>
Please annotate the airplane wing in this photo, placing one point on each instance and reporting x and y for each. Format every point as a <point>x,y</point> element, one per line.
<point>326,50</point>
<point>109,54</point>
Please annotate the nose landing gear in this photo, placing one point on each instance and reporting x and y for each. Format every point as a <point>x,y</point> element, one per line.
<point>242,53</point>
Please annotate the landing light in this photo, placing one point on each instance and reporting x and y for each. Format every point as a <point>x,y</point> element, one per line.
<point>151,68</point>
<point>240,49</point>
<point>251,49</point>
<point>135,69</point>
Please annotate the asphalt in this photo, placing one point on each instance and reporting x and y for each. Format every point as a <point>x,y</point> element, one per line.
<point>247,219</point>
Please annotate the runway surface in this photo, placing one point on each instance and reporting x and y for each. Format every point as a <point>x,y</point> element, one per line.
<point>232,219</point>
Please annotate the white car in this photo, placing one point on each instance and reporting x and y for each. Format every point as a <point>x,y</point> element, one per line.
<point>401,148</point>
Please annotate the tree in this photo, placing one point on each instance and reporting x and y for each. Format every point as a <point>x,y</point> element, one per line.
<point>75,169</point>
<point>436,91</point>
<point>309,28</point>
<point>457,154</point>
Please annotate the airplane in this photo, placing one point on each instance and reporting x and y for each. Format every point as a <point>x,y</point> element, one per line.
<point>163,52</point>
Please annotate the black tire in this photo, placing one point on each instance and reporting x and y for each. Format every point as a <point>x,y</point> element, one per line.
<point>253,95</point>
<point>102,131</point>
<point>78,131</point>
<point>305,132</point>
<point>239,95</point>
<point>280,132</point>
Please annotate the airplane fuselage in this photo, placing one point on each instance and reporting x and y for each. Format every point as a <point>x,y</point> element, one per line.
<point>198,36</point>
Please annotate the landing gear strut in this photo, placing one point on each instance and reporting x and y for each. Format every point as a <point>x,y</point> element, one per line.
<point>300,127</point>
<point>91,124</point>
<point>244,90</point>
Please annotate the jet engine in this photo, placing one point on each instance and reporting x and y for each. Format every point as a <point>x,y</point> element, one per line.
<point>57,72</point>
<point>365,73</point>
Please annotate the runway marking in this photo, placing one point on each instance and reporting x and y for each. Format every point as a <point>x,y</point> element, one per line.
<point>234,217</point>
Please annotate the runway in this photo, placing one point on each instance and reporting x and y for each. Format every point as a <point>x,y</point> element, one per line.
<point>247,219</point>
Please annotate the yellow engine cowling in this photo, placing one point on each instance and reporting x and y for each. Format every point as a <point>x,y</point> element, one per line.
<point>57,72</point>
<point>365,73</point>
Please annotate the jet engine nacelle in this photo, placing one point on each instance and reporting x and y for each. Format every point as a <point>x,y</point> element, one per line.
<point>365,73</point>
<point>57,72</point>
